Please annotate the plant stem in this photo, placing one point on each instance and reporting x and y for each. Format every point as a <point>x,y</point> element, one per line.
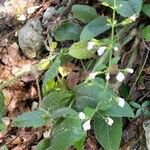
<point>113,23</point>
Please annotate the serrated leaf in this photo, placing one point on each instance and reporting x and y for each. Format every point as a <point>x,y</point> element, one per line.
<point>84,13</point>
<point>66,133</point>
<point>129,7</point>
<point>43,144</point>
<point>94,28</point>
<point>118,111</point>
<point>93,93</point>
<point>79,51</point>
<point>146,33</point>
<point>108,136</point>
<point>146,9</point>
<point>35,119</point>
<point>63,112</point>
<point>50,74</point>
<point>67,31</point>
<point>56,100</point>
<point>2,105</point>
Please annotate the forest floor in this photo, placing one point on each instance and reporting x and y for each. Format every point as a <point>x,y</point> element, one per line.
<point>23,94</point>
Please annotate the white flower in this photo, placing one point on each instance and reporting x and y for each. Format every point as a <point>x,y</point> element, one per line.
<point>81,115</point>
<point>107,76</point>
<point>90,45</point>
<point>130,70</point>
<point>87,125</point>
<point>116,48</point>
<point>46,134</point>
<point>101,50</point>
<point>133,17</point>
<point>92,75</point>
<point>109,121</point>
<point>121,102</point>
<point>120,77</point>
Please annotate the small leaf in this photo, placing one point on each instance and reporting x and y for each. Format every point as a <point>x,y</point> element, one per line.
<point>146,33</point>
<point>84,13</point>
<point>51,74</point>
<point>66,133</point>
<point>129,8</point>
<point>43,144</point>
<point>35,119</point>
<point>63,112</point>
<point>135,105</point>
<point>79,51</point>
<point>138,112</point>
<point>146,9</point>
<point>108,136</point>
<point>2,105</point>
<point>43,64</point>
<point>94,28</point>
<point>67,31</point>
<point>56,100</point>
<point>118,111</point>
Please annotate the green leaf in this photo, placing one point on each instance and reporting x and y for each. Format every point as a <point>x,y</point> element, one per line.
<point>115,60</point>
<point>118,111</point>
<point>129,7</point>
<point>84,13</point>
<point>35,119</point>
<point>79,145</point>
<point>43,144</point>
<point>66,133</point>
<point>89,112</point>
<point>94,28</point>
<point>67,31</point>
<point>63,112</point>
<point>56,100</point>
<point>135,105</point>
<point>138,112</point>
<point>146,33</point>
<point>2,105</point>
<point>50,74</point>
<point>4,147</point>
<point>93,93</point>
<point>79,51</point>
<point>146,9</point>
<point>108,136</point>
<point>146,104</point>
<point>2,126</point>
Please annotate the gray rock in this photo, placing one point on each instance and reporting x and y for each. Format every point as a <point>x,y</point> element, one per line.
<point>49,16</point>
<point>30,38</point>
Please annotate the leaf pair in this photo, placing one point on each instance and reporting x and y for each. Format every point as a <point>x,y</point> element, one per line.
<point>86,14</point>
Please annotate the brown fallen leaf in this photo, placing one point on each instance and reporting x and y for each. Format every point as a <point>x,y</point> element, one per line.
<point>73,79</point>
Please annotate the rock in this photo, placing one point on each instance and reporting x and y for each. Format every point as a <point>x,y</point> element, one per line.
<point>49,16</point>
<point>30,38</point>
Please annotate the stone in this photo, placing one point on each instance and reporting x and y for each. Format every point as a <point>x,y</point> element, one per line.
<point>30,38</point>
<point>49,16</point>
